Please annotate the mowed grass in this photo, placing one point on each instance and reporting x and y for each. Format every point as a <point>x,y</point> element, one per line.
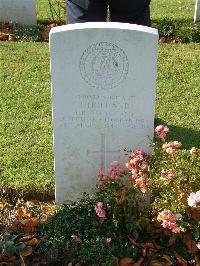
<point>178,98</point>
<point>173,9</point>
<point>170,9</point>
<point>26,134</point>
<point>26,152</point>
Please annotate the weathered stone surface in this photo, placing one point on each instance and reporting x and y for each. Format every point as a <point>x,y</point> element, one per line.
<point>103,90</point>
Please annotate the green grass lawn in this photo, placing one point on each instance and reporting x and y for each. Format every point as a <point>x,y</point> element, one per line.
<point>169,9</point>
<point>178,101</point>
<point>26,152</point>
<point>172,9</point>
<point>26,135</point>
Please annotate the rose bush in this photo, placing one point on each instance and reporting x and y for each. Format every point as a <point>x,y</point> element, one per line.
<point>144,212</point>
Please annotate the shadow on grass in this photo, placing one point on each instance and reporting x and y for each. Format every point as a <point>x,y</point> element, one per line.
<point>187,136</point>
<point>12,194</point>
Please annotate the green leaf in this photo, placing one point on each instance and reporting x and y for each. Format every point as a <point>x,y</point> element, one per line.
<point>20,246</point>
<point>16,237</point>
<point>10,247</point>
<point>10,243</point>
<point>196,235</point>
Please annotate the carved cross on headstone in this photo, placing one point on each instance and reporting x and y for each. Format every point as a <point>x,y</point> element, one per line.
<point>102,152</point>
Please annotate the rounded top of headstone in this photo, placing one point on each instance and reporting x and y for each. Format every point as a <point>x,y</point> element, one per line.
<point>104,25</point>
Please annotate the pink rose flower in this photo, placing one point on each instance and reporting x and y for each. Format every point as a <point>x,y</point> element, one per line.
<point>194,150</point>
<point>176,229</point>
<point>171,147</point>
<point>114,171</point>
<point>194,199</point>
<point>144,166</point>
<point>108,240</point>
<point>138,168</point>
<point>99,210</point>
<point>169,220</point>
<point>102,178</point>
<point>176,144</point>
<point>141,183</point>
<point>169,150</point>
<point>114,164</point>
<point>161,132</point>
<point>114,175</point>
<point>164,215</point>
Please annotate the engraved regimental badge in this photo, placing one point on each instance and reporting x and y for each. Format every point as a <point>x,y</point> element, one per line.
<point>104,65</point>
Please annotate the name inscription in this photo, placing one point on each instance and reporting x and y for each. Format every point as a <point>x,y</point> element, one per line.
<point>93,111</point>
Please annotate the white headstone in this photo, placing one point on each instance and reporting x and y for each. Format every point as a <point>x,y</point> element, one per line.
<point>22,12</point>
<point>103,90</point>
<point>197,11</point>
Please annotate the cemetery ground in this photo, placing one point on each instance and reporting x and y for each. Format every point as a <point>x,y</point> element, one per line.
<point>121,232</point>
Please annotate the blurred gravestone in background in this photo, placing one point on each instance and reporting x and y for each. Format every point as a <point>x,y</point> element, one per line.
<point>22,12</point>
<point>197,11</point>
